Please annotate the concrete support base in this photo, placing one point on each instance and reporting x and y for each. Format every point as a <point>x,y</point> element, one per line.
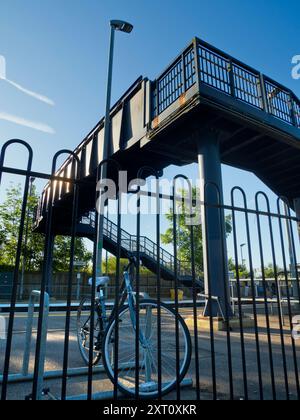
<point>109,395</point>
<point>203,323</point>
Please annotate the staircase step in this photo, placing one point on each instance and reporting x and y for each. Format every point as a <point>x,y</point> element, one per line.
<point>148,250</point>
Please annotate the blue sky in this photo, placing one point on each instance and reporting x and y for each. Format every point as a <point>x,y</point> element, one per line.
<point>58,48</point>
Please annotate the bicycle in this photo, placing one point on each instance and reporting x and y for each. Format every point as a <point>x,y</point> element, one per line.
<point>104,339</point>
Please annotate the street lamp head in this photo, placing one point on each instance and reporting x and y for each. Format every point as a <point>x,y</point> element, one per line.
<point>122,26</point>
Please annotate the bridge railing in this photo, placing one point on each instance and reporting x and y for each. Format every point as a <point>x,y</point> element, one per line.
<point>296,104</point>
<point>266,337</point>
<point>179,77</point>
<point>220,71</point>
<point>147,246</point>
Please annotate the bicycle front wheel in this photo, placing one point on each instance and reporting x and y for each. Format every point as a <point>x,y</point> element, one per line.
<point>84,329</point>
<point>148,351</point>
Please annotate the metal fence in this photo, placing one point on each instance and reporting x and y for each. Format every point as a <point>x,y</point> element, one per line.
<point>205,64</point>
<point>253,354</point>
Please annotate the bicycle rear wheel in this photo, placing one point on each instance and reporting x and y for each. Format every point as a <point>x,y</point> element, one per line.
<point>148,354</point>
<point>83,332</point>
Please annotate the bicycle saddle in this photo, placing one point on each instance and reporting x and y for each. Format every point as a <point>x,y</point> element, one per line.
<point>100,281</point>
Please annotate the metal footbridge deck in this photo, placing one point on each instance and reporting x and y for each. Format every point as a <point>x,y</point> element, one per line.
<point>155,122</point>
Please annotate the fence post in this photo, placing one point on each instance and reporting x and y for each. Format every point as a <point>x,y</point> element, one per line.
<point>197,62</point>
<point>35,296</point>
<point>231,78</point>
<point>262,88</point>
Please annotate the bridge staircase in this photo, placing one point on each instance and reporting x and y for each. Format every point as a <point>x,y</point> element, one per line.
<point>148,251</point>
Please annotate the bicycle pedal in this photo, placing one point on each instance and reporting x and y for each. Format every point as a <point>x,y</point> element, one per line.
<point>97,346</point>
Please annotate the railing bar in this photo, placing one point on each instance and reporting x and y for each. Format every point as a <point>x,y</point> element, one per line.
<point>33,174</point>
<point>158,251</point>
<point>244,362</point>
<point>17,265</point>
<point>296,369</point>
<point>280,314</point>
<point>117,299</point>
<point>227,313</point>
<point>137,303</point>
<point>211,322</point>
<point>267,316</point>
<point>69,291</point>
<point>257,341</point>
<point>47,266</point>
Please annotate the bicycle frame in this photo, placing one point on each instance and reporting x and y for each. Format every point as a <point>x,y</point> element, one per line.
<point>126,293</point>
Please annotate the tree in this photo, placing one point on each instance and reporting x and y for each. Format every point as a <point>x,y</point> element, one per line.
<point>61,254</point>
<point>112,266</point>
<point>270,271</point>
<point>10,215</point>
<point>243,271</point>
<point>184,234</point>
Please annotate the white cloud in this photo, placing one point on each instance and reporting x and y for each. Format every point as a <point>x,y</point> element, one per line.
<point>28,92</point>
<point>27,123</point>
<point>37,96</point>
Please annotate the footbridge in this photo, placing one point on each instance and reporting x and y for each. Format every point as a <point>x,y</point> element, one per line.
<point>205,107</point>
<point>158,123</point>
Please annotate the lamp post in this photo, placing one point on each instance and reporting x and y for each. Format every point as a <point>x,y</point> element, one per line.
<point>26,241</point>
<point>115,25</point>
<point>242,253</point>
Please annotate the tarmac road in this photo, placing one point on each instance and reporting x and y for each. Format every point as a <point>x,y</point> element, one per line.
<point>78,385</point>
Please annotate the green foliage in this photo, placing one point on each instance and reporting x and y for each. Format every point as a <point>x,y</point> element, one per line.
<point>270,272</point>
<point>33,249</point>
<point>184,234</point>
<point>61,254</point>
<point>112,266</point>
<point>243,271</point>
<point>245,274</point>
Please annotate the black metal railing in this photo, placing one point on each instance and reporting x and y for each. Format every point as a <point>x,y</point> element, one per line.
<point>147,247</point>
<point>247,86</point>
<point>296,106</point>
<point>220,71</point>
<point>178,78</point>
<point>256,358</point>
<point>199,64</point>
<point>214,69</point>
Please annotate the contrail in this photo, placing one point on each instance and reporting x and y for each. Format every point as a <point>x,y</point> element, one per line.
<point>37,96</point>
<point>27,123</point>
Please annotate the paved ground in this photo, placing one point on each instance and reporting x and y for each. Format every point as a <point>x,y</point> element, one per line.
<point>78,386</point>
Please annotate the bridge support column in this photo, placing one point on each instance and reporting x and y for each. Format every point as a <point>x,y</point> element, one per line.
<point>213,230</point>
